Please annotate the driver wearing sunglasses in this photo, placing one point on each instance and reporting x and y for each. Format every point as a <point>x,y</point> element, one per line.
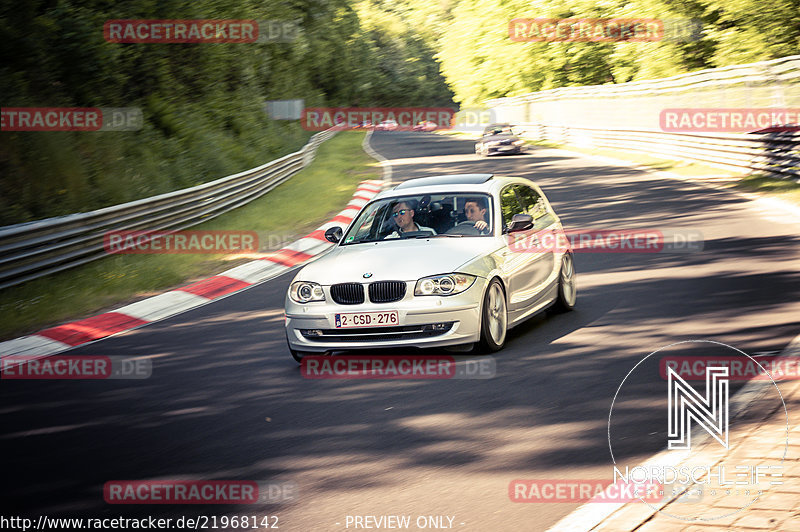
<point>403,216</point>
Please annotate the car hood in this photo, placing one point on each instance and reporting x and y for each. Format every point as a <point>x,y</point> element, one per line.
<point>399,260</point>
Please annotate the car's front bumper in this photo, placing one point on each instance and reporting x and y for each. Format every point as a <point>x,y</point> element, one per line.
<point>424,321</point>
<point>504,148</point>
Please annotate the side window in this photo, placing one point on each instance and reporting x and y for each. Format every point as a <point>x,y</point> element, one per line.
<point>534,204</point>
<point>369,223</point>
<point>365,228</point>
<point>384,221</point>
<point>509,205</point>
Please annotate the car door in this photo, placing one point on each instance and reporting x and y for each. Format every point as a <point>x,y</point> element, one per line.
<point>534,204</point>
<point>519,263</point>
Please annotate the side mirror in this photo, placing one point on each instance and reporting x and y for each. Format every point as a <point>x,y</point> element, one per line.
<point>334,234</point>
<point>520,222</point>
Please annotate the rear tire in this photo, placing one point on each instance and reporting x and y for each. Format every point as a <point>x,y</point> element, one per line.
<point>567,286</point>
<point>494,319</point>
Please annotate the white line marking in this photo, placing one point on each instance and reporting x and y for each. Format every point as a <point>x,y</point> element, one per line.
<point>385,163</point>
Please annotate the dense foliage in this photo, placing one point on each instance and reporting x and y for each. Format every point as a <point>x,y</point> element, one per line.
<point>480,61</point>
<point>203,103</point>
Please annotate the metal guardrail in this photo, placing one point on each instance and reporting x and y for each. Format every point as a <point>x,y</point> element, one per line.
<point>626,115</point>
<point>34,249</point>
<point>773,153</point>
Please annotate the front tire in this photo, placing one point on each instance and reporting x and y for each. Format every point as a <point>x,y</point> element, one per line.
<point>297,355</point>
<point>567,286</point>
<point>494,319</point>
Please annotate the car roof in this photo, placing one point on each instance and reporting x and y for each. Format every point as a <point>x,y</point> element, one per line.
<point>454,183</point>
<point>452,179</point>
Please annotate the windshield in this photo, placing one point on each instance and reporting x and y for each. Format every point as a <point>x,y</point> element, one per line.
<point>499,131</point>
<point>423,216</point>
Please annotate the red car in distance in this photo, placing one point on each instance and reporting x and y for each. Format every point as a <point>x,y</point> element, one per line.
<point>425,125</point>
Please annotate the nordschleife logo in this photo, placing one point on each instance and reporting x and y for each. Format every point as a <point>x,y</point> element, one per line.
<point>686,420</point>
<point>686,404</point>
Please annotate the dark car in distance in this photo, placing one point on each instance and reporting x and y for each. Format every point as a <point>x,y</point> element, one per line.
<point>499,138</point>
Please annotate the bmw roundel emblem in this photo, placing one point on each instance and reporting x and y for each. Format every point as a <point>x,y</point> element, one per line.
<point>367,275</point>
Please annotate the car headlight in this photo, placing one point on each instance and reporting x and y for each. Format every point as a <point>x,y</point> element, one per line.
<point>493,143</point>
<point>443,285</point>
<point>304,292</point>
<point>519,142</point>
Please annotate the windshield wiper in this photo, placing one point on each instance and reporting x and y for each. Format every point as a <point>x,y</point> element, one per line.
<point>359,242</point>
<point>416,234</point>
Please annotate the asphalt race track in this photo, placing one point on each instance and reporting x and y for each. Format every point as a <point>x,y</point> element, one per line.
<point>226,400</point>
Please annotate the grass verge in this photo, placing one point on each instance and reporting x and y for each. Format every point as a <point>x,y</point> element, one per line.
<point>289,211</point>
<point>784,189</point>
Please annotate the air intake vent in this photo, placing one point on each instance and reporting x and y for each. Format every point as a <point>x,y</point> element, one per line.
<point>348,293</point>
<point>387,291</point>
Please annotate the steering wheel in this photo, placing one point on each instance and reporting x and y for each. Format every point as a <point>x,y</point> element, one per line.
<point>467,227</point>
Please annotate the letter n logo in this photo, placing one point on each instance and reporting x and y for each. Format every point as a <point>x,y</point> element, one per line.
<point>685,405</point>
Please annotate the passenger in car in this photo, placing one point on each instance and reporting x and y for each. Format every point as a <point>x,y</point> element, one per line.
<point>475,211</point>
<point>403,216</point>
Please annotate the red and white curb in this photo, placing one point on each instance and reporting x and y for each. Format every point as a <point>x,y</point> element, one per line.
<point>69,335</point>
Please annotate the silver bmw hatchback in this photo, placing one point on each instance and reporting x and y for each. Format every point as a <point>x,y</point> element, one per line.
<point>445,261</point>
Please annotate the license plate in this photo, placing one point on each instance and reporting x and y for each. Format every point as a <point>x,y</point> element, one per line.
<point>367,319</point>
<point>507,148</point>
